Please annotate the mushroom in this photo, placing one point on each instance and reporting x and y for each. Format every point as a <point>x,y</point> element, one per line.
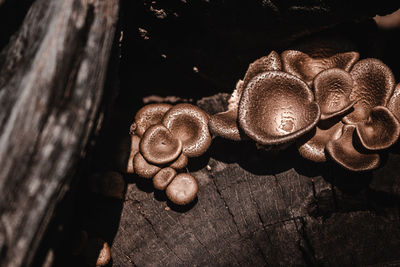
<point>109,184</point>
<point>225,123</point>
<point>97,252</point>
<point>163,178</point>
<point>183,189</point>
<point>394,102</point>
<point>373,86</point>
<point>276,108</point>
<point>147,116</point>
<point>312,145</point>
<point>159,146</point>
<point>180,162</point>
<point>143,168</point>
<point>380,130</point>
<point>306,67</point>
<point>189,124</point>
<point>135,140</point>
<point>332,89</point>
<point>345,153</point>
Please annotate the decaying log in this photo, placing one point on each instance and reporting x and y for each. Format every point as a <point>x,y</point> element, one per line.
<point>51,86</point>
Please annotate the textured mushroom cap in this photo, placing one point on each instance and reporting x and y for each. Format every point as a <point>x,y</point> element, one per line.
<point>159,146</point>
<point>373,86</point>
<point>149,115</point>
<point>189,124</point>
<point>163,178</point>
<point>267,63</point>
<point>348,156</point>
<point>312,145</point>
<point>394,102</point>
<point>225,124</point>
<point>135,140</point>
<point>332,89</point>
<point>306,67</point>
<point>180,162</point>
<point>98,252</point>
<point>277,108</point>
<point>380,130</point>
<point>183,189</point>
<point>143,168</point>
<point>109,184</point>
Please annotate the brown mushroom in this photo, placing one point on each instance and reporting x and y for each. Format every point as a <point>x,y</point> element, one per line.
<point>147,116</point>
<point>343,151</point>
<point>394,102</point>
<point>189,124</point>
<point>312,145</point>
<point>180,162</point>
<point>373,86</point>
<point>109,184</point>
<point>98,252</point>
<point>163,178</point>
<point>159,146</point>
<point>143,168</point>
<point>380,130</point>
<point>276,108</point>
<point>332,89</point>
<point>183,189</point>
<point>306,67</point>
<point>135,140</point>
<point>267,63</point>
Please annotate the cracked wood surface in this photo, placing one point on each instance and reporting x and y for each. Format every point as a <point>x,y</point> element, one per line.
<point>255,209</point>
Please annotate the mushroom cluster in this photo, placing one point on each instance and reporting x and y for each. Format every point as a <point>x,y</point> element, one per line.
<point>163,137</point>
<point>333,107</point>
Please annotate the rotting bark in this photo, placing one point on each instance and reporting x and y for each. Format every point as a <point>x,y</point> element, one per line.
<point>51,86</point>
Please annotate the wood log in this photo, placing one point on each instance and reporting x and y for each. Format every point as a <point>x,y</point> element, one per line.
<point>51,86</point>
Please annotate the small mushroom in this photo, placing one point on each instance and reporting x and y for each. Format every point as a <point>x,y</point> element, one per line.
<point>180,162</point>
<point>343,152</point>
<point>143,168</point>
<point>109,184</point>
<point>163,178</point>
<point>147,116</point>
<point>380,130</point>
<point>276,108</point>
<point>312,145</point>
<point>159,146</point>
<point>97,252</point>
<point>183,189</point>
<point>306,67</point>
<point>394,102</point>
<point>373,86</point>
<point>189,124</point>
<point>135,140</point>
<point>332,89</point>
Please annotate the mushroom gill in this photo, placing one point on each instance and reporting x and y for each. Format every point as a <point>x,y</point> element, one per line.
<point>276,108</point>
<point>147,116</point>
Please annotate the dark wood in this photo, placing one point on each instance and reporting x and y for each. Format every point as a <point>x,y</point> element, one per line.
<point>51,86</point>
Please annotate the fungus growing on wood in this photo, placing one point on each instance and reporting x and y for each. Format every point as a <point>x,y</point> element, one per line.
<point>135,140</point>
<point>394,102</point>
<point>180,162</point>
<point>276,108</point>
<point>143,168</point>
<point>163,178</point>
<point>147,116</point>
<point>183,189</point>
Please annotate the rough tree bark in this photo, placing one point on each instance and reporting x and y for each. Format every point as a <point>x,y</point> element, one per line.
<point>51,86</point>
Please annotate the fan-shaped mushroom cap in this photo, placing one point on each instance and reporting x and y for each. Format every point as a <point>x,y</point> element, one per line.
<point>306,67</point>
<point>332,88</point>
<point>183,189</point>
<point>159,146</point>
<point>135,140</point>
<point>313,148</point>
<point>143,168</point>
<point>276,108</point>
<point>267,63</point>
<point>348,156</point>
<point>180,162</point>
<point>373,86</point>
<point>394,102</point>
<point>149,115</point>
<point>380,131</point>
<point>189,124</point>
<point>163,178</point>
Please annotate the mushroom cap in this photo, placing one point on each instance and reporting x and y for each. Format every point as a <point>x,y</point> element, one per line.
<point>225,124</point>
<point>267,63</point>
<point>306,67</point>
<point>343,152</point>
<point>189,124</point>
<point>380,130</point>
<point>180,162</point>
<point>143,168</point>
<point>373,86</point>
<point>163,178</point>
<point>332,89</point>
<point>135,140</point>
<point>394,102</point>
<point>98,252</point>
<point>276,108</point>
<point>159,146</point>
<point>149,115</point>
<point>183,189</point>
<point>312,145</point>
